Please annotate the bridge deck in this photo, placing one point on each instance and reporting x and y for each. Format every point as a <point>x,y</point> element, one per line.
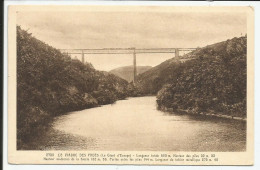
<point>132,51</point>
<point>124,50</point>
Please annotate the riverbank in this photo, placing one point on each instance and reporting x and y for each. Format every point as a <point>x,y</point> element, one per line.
<point>51,83</point>
<point>44,128</point>
<point>212,114</point>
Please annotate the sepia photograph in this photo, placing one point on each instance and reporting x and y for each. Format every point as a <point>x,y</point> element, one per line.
<point>131,79</point>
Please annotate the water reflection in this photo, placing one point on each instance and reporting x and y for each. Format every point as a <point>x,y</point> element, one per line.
<point>136,124</point>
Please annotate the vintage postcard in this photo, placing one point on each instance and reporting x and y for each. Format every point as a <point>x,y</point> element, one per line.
<point>149,85</point>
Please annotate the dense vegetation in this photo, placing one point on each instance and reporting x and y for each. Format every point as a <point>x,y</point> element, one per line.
<point>214,79</point>
<point>126,72</point>
<point>151,81</point>
<point>50,83</point>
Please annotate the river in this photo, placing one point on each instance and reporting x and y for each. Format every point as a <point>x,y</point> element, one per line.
<point>136,125</point>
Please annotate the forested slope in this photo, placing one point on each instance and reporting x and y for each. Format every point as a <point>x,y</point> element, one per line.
<point>50,83</point>
<point>151,81</point>
<point>213,80</point>
<point>126,72</point>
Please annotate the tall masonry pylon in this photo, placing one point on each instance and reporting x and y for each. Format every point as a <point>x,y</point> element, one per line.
<point>177,54</point>
<point>82,57</point>
<point>134,64</point>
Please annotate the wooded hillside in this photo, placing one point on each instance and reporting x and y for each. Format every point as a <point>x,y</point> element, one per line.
<point>213,80</point>
<point>126,72</point>
<point>50,83</point>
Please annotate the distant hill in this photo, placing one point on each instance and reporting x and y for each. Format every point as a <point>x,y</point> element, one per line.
<point>126,72</point>
<point>151,81</point>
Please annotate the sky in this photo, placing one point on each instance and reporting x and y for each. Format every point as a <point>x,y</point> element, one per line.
<point>68,30</point>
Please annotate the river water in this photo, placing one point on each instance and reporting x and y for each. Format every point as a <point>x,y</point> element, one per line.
<point>136,125</point>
